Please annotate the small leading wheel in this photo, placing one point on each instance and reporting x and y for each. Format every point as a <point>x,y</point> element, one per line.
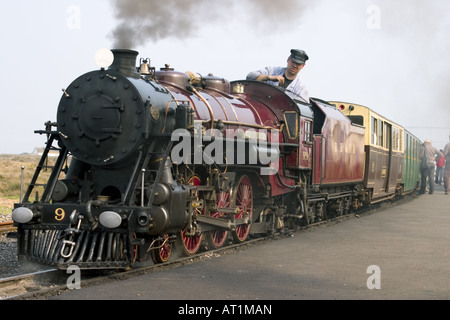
<point>162,251</point>
<point>216,238</point>
<point>244,203</point>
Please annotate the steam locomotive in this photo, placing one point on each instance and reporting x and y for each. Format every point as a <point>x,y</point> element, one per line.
<point>156,161</point>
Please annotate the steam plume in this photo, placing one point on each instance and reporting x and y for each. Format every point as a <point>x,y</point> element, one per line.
<point>157,20</point>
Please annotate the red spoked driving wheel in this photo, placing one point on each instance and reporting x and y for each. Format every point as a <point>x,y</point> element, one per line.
<point>244,203</point>
<point>189,244</point>
<point>216,238</point>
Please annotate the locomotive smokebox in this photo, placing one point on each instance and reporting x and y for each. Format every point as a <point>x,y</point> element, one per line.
<point>101,116</point>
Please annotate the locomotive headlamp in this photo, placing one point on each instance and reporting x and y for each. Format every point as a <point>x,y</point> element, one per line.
<point>110,219</point>
<point>22,215</point>
<point>104,58</point>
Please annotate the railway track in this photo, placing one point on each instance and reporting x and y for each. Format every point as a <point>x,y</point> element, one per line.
<point>44,284</point>
<point>6,227</point>
<point>51,282</point>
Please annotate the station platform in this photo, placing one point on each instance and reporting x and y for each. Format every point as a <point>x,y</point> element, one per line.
<point>398,253</point>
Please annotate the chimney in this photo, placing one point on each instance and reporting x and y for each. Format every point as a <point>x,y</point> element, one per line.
<point>125,62</point>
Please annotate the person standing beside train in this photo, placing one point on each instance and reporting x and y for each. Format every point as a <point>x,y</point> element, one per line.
<point>440,163</point>
<point>427,163</point>
<point>286,77</point>
<point>447,167</point>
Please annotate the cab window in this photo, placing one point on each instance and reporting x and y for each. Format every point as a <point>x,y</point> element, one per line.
<point>291,120</point>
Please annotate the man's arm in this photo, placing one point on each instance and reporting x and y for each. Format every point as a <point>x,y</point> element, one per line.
<point>268,74</point>
<point>263,77</point>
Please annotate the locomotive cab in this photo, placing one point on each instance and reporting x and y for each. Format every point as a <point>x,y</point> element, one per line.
<point>292,117</point>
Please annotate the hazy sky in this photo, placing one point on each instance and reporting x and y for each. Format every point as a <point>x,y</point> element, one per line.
<point>390,55</point>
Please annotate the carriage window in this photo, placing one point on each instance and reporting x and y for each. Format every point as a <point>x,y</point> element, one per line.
<point>395,139</point>
<point>374,131</point>
<point>387,135</point>
<point>380,133</point>
<point>357,120</point>
<point>291,120</point>
<point>400,140</point>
